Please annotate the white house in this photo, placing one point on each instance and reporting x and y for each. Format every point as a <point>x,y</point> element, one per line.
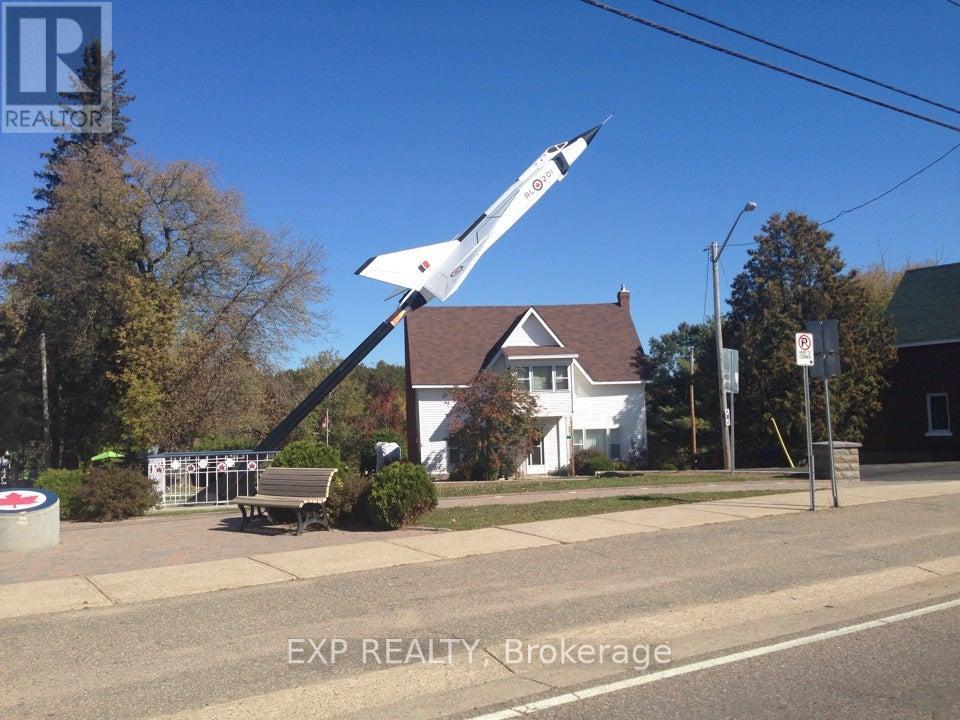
<point>579,361</point>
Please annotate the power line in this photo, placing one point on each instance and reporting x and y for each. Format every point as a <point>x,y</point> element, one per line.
<point>954,2</point>
<point>804,56</point>
<point>769,66</point>
<point>898,185</point>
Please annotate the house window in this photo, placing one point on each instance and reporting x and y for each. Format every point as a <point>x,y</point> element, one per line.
<point>938,414</point>
<point>541,378</point>
<point>590,440</point>
<point>606,441</point>
<point>522,373</point>
<point>613,437</point>
<point>561,380</point>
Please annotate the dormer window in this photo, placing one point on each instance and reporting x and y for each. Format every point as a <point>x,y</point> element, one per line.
<point>542,378</point>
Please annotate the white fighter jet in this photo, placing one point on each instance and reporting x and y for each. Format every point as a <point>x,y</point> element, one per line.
<point>436,271</point>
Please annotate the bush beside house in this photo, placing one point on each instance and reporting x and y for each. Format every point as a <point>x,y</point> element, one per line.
<point>592,461</point>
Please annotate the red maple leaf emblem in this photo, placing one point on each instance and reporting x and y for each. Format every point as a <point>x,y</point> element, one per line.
<point>16,498</point>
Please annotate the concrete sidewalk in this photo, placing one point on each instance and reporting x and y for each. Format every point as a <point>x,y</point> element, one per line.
<point>98,589</point>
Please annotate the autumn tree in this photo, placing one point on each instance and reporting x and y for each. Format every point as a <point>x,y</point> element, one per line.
<point>796,274</point>
<point>370,400</point>
<point>240,295</point>
<point>163,305</point>
<point>494,425</point>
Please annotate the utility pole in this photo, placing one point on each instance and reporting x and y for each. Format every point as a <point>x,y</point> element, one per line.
<point>46,399</point>
<point>693,412</point>
<point>715,251</point>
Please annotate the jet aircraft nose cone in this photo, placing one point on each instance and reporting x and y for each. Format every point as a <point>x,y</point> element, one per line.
<point>588,135</point>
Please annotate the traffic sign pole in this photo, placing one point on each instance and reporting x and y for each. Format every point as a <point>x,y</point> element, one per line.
<point>810,469</point>
<point>833,470</point>
<point>733,433</point>
<point>804,347</point>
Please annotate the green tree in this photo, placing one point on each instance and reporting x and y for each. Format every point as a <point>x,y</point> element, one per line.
<point>117,142</point>
<point>163,306</point>
<point>667,366</point>
<point>69,284</point>
<point>795,274</point>
<point>494,424</point>
<point>368,401</point>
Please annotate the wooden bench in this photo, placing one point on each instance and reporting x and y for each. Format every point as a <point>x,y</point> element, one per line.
<point>304,490</point>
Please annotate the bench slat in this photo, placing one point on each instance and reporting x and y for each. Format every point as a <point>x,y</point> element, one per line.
<point>291,487</point>
<point>275,501</point>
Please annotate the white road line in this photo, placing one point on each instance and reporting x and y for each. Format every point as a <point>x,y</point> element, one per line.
<point>577,696</point>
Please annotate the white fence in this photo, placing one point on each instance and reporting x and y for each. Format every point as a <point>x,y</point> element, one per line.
<point>207,478</point>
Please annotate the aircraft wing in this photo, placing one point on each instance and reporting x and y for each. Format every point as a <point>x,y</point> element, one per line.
<point>407,268</point>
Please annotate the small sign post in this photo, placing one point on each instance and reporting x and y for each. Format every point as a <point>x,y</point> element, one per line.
<point>803,343</point>
<point>826,364</point>
<point>731,384</point>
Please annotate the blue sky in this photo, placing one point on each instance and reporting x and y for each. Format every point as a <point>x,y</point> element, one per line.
<point>374,126</point>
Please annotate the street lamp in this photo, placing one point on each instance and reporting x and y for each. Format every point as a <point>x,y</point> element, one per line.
<point>715,251</point>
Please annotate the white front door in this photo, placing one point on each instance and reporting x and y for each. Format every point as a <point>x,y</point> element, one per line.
<point>535,464</point>
<point>543,457</point>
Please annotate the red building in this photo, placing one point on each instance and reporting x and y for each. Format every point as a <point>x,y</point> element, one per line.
<point>921,407</point>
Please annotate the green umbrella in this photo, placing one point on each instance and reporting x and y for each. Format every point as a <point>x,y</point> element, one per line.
<point>106,455</point>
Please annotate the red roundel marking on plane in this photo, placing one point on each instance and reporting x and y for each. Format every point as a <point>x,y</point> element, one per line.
<point>538,184</point>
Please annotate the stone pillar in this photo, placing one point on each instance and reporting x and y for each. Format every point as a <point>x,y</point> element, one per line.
<point>846,455</point>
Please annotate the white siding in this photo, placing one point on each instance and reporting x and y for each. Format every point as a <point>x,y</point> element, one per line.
<point>433,410</point>
<point>586,406</point>
<point>608,406</point>
<point>530,333</point>
<point>554,403</point>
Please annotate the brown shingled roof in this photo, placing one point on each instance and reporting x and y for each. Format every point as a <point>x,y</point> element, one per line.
<point>450,345</point>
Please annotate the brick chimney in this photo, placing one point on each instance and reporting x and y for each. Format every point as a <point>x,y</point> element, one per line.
<point>623,297</point>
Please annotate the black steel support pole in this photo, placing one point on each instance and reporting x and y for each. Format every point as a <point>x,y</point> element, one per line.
<point>276,436</point>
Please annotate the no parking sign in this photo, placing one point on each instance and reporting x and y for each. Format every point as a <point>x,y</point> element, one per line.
<point>804,346</point>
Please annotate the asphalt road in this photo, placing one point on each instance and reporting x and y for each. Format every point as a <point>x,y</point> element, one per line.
<point>908,472</point>
<point>905,670</point>
<point>702,591</point>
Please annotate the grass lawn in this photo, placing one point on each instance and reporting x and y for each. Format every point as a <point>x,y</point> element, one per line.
<point>505,487</point>
<point>470,518</point>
